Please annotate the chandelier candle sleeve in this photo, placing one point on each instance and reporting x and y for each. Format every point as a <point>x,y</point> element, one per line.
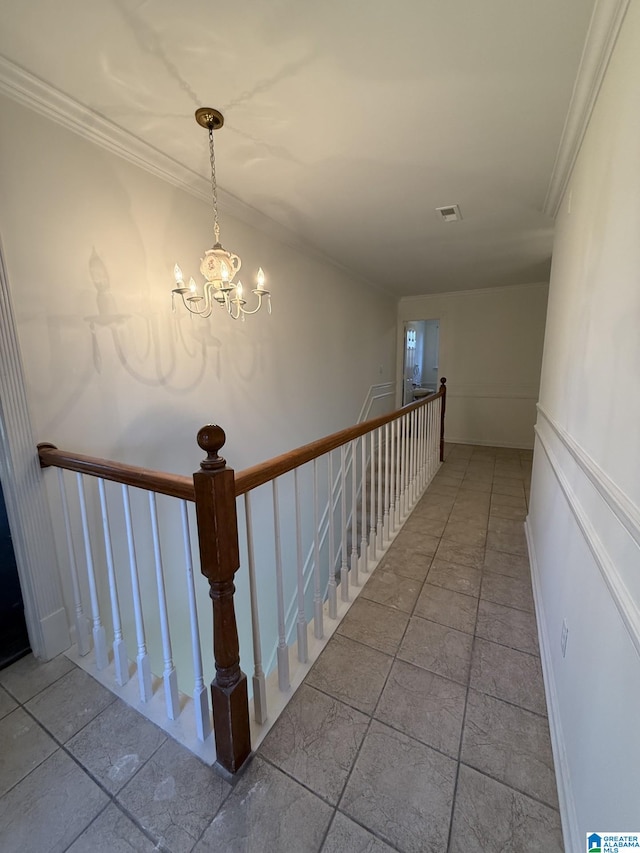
<point>218,267</point>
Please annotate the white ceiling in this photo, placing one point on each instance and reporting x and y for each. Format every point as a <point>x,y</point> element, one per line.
<point>348,121</point>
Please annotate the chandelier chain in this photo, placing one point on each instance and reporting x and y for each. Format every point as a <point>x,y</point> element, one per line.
<point>214,188</point>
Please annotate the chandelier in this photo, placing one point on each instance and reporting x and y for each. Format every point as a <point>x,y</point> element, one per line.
<point>218,266</point>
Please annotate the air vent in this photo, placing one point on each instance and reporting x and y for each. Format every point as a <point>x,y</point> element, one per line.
<point>450,213</point>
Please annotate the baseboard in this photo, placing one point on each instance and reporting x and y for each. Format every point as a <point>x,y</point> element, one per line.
<point>55,635</point>
<point>510,445</point>
<point>572,839</point>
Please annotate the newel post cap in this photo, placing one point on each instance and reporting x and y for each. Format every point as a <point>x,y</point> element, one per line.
<point>443,381</point>
<point>211,439</point>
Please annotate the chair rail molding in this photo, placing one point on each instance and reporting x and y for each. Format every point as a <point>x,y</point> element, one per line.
<point>606,21</point>
<point>615,582</point>
<point>27,505</point>
<point>627,513</point>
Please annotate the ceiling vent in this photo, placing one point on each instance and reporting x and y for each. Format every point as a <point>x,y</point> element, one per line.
<point>450,213</point>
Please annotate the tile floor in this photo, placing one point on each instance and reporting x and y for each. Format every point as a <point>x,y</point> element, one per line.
<point>422,726</point>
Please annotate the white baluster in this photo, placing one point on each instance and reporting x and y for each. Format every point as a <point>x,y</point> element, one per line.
<point>344,567</point>
<point>99,634</point>
<point>301,625</point>
<point>372,487</point>
<point>283,649</point>
<point>169,675</point>
<point>332,589</point>
<point>398,487</point>
<point>405,479</point>
<point>380,474</point>
<point>258,680</point>
<point>364,551</point>
<point>412,459</point>
<point>387,485</point>
<point>392,477</point>
<point>355,580</point>
<point>81,623</point>
<point>120,660</point>
<point>200,698</point>
<point>142,657</point>
<point>318,627</point>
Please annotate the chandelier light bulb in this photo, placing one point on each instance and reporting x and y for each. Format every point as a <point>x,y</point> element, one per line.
<point>218,267</point>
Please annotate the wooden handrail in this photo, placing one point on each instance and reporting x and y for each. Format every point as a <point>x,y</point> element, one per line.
<point>174,485</point>
<point>178,486</point>
<point>263,473</point>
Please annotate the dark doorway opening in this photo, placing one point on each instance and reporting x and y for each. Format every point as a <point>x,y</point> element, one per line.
<point>14,640</point>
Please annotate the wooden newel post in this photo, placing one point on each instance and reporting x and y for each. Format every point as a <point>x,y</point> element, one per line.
<point>443,388</point>
<point>219,560</point>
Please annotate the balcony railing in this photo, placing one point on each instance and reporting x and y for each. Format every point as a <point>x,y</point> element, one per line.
<point>307,528</point>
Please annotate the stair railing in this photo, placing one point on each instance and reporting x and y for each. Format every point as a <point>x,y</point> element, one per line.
<point>343,517</point>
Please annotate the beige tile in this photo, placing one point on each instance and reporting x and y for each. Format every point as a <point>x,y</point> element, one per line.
<point>510,543</point>
<point>115,744</point>
<point>7,703</point>
<point>392,590</point>
<point>464,579</point>
<point>447,607</point>
<point>26,677</point>
<point>345,836</point>
<point>508,488</point>
<point>23,746</point>
<point>462,555</point>
<point>516,501</point>
<point>401,790</point>
<point>507,626</point>
<point>174,796</point>
<point>316,740</point>
<point>465,534</point>
<point>508,512</point>
<point>510,744</point>
<point>374,625</point>
<point>423,705</point>
<point>512,592</point>
<point>490,816</point>
<point>69,704</point>
<point>508,674</point>
<point>506,526</point>
<point>513,565</point>
<point>353,673</point>
<point>438,648</point>
<point>113,832</point>
<point>267,811</point>
<point>50,807</point>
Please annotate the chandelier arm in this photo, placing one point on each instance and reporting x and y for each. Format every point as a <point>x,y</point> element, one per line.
<point>206,311</point>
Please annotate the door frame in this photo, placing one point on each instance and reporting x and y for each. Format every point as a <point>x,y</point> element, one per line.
<point>25,496</point>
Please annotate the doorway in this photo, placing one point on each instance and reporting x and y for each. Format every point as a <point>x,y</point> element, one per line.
<point>421,359</point>
<point>14,640</point>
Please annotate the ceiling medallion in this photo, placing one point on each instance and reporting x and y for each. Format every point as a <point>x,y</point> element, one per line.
<point>218,267</point>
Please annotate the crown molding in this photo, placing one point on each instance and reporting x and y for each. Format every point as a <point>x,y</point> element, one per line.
<point>604,28</point>
<point>35,94</point>
<point>477,291</point>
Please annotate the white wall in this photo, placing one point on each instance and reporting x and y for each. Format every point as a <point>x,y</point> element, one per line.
<point>71,211</point>
<point>490,352</point>
<point>138,390</point>
<point>584,521</point>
